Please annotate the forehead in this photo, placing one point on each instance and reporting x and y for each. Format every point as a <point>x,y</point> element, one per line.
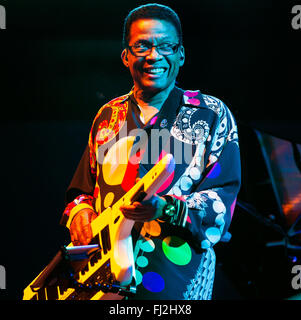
<point>152,29</point>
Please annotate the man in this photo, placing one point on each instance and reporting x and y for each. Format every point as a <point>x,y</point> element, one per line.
<point>172,248</point>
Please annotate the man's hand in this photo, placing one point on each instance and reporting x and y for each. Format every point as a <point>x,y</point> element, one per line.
<point>80,229</point>
<point>146,210</point>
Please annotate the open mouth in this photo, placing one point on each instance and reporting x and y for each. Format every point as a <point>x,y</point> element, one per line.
<point>154,71</point>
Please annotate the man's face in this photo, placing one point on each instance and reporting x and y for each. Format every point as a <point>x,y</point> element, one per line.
<point>154,72</point>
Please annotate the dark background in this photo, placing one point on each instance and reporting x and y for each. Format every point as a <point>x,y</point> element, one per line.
<point>60,61</point>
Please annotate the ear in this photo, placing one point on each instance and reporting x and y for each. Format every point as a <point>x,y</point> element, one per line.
<point>182,56</point>
<point>124,57</point>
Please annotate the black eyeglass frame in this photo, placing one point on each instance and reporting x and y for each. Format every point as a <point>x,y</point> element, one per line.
<point>175,49</point>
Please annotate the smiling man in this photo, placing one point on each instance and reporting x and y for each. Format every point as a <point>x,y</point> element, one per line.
<point>153,55</point>
<point>176,229</point>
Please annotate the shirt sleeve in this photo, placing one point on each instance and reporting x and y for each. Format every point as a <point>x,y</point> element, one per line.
<point>82,191</point>
<point>79,194</point>
<point>212,200</point>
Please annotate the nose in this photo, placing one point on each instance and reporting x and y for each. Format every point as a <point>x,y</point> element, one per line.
<point>154,54</point>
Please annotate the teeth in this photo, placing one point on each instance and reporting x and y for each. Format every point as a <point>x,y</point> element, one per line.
<point>155,71</point>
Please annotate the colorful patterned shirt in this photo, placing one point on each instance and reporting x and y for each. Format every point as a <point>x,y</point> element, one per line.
<point>171,262</point>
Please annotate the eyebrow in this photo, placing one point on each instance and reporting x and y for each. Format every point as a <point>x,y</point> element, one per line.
<point>162,40</point>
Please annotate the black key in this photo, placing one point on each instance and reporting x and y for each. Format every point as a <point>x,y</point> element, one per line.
<point>41,294</point>
<point>105,238</point>
<point>52,293</point>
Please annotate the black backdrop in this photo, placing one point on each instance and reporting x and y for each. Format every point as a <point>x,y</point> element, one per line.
<point>60,61</point>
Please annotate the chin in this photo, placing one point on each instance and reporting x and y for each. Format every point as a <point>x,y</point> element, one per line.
<point>154,87</point>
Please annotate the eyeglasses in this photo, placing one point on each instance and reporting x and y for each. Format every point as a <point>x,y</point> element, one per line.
<point>144,49</point>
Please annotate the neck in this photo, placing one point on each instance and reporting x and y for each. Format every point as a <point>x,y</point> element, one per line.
<point>151,99</point>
